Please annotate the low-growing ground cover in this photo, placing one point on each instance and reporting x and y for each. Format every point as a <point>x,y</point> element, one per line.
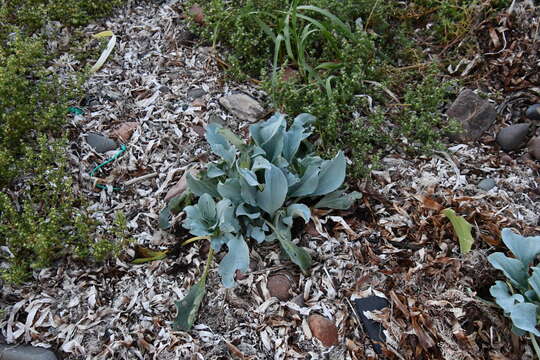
<point>41,217</point>
<point>349,63</point>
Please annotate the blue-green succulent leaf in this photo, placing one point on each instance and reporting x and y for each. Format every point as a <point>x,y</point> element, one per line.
<point>269,134</point>
<point>525,248</point>
<point>501,292</point>
<point>219,144</point>
<point>236,259</point>
<point>213,171</point>
<point>230,190</point>
<point>332,175</point>
<point>307,184</point>
<point>200,187</point>
<point>513,269</point>
<point>299,210</point>
<point>228,223</point>
<point>275,190</point>
<point>534,281</point>
<point>260,163</point>
<point>257,233</point>
<point>296,134</point>
<point>298,255</point>
<point>188,307</point>
<point>249,176</point>
<point>523,317</point>
<point>248,193</point>
<point>338,199</point>
<point>241,210</point>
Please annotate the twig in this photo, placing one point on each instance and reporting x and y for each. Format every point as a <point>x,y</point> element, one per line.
<point>140,178</point>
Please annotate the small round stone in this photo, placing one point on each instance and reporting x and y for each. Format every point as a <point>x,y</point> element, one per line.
<point>513,137</point>
<point>487,184</point>
<point>323,329</point>
<point>279,286</point>
<point>534,147</point>
<point>533,112</point>
<point>507,159</point>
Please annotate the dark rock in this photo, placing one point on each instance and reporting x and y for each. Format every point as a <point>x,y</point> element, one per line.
<point>186,37</point>
<point>25,352</point>
<point>243,107</point>
<point>513,137</point>
<point>372,328</point>
<point>487,184</point>
<point>533,112</point>
<point>474,114</point>
<point>534,147</point>
<point>195,93</point>
<point>100,143</point>
<point>279,286</point>
<point>323,329</point>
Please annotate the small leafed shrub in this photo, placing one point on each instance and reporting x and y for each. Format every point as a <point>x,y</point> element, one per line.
<point>255,191</point>
<point>41,218</point>
<point>519,295</point>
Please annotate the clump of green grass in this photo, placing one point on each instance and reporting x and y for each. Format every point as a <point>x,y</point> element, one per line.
<point>41,218</point>
<point>343,55</point>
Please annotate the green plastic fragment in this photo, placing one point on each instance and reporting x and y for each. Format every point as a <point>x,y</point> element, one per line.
<point>75,110</point>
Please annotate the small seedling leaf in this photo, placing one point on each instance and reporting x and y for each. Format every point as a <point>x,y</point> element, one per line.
<point>298,255</point>
<point>188,307</point>
<point>462,229</point>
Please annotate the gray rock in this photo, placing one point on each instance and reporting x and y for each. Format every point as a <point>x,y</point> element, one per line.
<point>100,143</point>
<point>474,114</point>
<point>513,137</point>
<point>487,184</point>
<point>243,107</point>
<point>195,93</point>
<point>534,147</point>
<point>25,352</point>
<point>533,112</point>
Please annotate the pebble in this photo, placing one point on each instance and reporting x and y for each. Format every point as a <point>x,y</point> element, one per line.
<point>25,352</point>
<point>533,112</point>
<point>507,159</point>
<point>487,184</point>
<point>100,143</point>
<point>474,114</point>
<point>534,147</point>
<point>513,137</point>
<point>195,93</point>
<point>244,107</point>
<point>279,286</point>
<point>323,329</point>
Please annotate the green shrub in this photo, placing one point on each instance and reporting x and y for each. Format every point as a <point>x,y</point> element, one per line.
<point>40,217</point>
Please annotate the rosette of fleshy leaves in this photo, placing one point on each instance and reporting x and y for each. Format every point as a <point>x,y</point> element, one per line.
<point>519,295</point>
<point>256,189</point>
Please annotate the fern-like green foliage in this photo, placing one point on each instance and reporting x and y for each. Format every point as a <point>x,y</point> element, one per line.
<point>519,296</point>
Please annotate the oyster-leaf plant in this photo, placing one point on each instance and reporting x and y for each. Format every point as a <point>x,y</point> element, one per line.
<point>519,295</point>
<point>254,191</point>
